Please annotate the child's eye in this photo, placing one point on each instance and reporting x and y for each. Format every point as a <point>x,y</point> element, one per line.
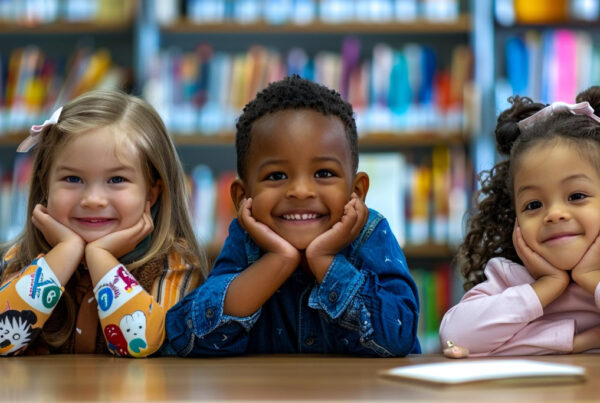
<point>116,179</point>
<point>276,176</point>
<point>533,205</point>
<point>324,173</point>
<point>72,179</point>
<point>577,196</point>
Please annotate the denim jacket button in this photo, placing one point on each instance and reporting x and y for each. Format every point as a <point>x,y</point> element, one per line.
<point>309,341</point>
<point>190,324</point>
<point>333,296</point>
<point>210,313</point>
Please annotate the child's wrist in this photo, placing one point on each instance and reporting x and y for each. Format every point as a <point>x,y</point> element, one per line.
<point>588,281</point>
<point>288,258</point>
<point>319,265</point>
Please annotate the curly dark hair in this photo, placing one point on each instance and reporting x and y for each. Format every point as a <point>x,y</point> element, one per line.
<point>293,92</point>
<point>492,218</point>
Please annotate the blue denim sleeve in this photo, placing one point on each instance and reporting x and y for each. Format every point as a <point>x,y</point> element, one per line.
<point>372,297</point>
<point>196,325</point>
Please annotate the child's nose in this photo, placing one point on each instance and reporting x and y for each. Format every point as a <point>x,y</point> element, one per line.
<point>557,213</point>
<point>301,188</point>
<point>93,196</point>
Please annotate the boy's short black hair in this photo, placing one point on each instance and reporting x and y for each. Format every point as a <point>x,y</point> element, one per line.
<point>294,92</point>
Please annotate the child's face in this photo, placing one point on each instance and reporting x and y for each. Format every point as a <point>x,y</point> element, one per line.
<point>299,174</point>
<point>557,200</point>
<point>94,192</point>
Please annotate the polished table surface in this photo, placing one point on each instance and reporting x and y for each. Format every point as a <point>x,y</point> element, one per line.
<point>263,378</point>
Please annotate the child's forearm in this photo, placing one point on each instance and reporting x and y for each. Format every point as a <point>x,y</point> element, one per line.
<point>320,265</point>
<point>588,281</point>
<point>64,259</point>
<point>255,285</point>
<point>132,321</point>
<point>27,301</point>
<point>99,261</point>
<point>587,340</point>
<point>548,288</point>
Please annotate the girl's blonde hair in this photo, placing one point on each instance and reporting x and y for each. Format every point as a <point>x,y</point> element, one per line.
<point>135,121</point>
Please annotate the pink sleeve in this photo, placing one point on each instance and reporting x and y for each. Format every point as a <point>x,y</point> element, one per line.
<point>539,337</point>
<point>496,314</point>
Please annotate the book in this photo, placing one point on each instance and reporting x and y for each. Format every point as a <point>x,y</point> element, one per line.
<point>467,371</point>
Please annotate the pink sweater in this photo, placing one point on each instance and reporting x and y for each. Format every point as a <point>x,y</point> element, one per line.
<point>503,315</point>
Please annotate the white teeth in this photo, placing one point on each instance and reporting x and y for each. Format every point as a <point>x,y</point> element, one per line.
<point>299,217</point>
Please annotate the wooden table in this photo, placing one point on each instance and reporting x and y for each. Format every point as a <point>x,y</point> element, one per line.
<point>262,378</point>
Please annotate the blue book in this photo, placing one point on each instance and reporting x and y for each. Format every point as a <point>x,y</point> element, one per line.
<point>428,68</point>
<point>517,65</point>
<point>399,93</point>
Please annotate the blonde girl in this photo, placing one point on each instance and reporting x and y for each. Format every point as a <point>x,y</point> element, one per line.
<point>108,246</point>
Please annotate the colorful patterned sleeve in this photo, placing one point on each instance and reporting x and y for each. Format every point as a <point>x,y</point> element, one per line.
<point>132,320</point>
<point>27,299</point>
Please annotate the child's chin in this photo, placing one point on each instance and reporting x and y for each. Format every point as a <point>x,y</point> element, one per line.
<point>300,244</point>
<point>90,237</point>
<point>564,264</point>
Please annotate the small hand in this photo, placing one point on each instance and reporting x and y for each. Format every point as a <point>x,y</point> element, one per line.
<point>123,241</point>
<point>54,232</point>
<point>322,249</point>
<point>267,239</point>
<point>535,264</point>
<point>586,272</point>
<point>454,351</point>
<point>67,246</point>
<point>343,232</point>
<point>550,282</point>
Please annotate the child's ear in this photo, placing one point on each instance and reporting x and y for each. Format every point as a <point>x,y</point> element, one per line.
<point>360,185</point>
<point>237,190</point>
<point>154,191</point>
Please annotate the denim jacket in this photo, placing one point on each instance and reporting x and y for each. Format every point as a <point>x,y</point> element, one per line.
<point>366,304</point>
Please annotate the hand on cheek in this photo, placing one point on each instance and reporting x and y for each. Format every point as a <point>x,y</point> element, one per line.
<point>267,239</point>
<point>67,247</point>
<point>322,249</point>
<point>550,281</point>
<point>533,262</point>
<point>101,255</point>
<point>53,231</point>
<point>587,272</point>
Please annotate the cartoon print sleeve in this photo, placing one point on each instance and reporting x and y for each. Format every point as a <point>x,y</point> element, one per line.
<point>503,316</point>
<point>132,321</point>
<point>192,323</point>
<point>373,305</point>
<point>27,300</point>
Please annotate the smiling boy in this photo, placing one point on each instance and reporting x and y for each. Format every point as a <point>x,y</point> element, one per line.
<point>307,267</point>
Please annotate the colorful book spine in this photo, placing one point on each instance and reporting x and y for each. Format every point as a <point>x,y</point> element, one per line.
<point>396,90</point>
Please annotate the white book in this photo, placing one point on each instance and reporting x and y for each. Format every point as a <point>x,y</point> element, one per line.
<point>387,174</point>
<point>458,372</point>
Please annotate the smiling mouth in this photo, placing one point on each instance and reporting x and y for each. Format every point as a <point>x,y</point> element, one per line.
<point>94,221</point>
<point>559,237</point>
<point>301,216</point>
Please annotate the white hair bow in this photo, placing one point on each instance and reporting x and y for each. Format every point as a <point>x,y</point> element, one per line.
<point>582,108</point>
<point>34,132</point>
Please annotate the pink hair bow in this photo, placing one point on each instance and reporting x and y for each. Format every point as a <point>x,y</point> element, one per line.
<point>582,108</point>
<point>36,130</point>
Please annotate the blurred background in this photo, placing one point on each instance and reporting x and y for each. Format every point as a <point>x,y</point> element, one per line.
<point>426,78</point>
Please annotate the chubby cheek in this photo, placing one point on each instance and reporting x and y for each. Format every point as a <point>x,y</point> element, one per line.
<point>59,205</point>
<point>262,206</point>
<point>336,207</point>
<point>131,211</point>
<point>529,235</point>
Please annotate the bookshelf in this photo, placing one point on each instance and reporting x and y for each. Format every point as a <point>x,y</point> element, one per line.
<point>143,42</point>
<point>535,48</point>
